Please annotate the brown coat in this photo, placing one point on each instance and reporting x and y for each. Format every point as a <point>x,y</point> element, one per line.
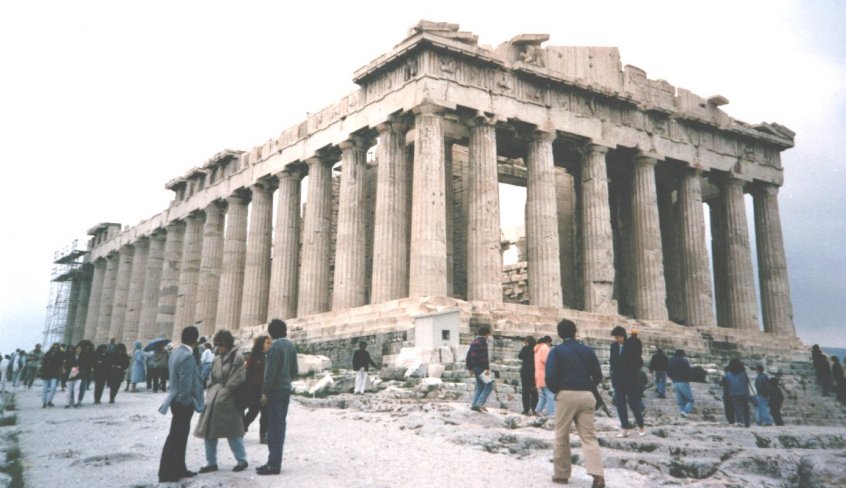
<point>221,418</point>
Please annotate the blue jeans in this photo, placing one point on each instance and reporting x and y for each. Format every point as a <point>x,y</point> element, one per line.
<point>205,372</point>
<point>235,443</point>
<point>762,414</point>
<point>277,411</point>
<point>83,386</point>
<point>661,383</point>
<point>684,397</point>
<point>480,395</point>
<point>48,389</point>
<point>546,398</point>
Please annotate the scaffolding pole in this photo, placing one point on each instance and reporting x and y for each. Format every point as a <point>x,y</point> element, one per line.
<point>67,264</point>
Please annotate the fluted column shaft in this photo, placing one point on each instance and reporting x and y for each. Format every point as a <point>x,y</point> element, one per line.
<point>92,316</point>
<point>169,284</point>
<point>428,251</point>
<point>284,275</point>
<point>135,295</point>
<point>147,328</point>
<point>597,237</point>
<point>391,226</point>
<point>544,257</point>
<point>697,296</point>
<point>257,262</point>
<point>189,273</point>
<point>740,286</point>
<point>350,281</point>
<point>650,290</point>
<point>234,257</point>
<point>127,254</point>
<point>107,299</point>
<point>82,305</point>
<point>772,265</point>
<point>70,318</point>
<point>317,226</point>
<point>211,261</point>
<point>484,262</point>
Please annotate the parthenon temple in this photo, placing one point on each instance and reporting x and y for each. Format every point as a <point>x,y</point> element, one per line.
<point>386,205</point>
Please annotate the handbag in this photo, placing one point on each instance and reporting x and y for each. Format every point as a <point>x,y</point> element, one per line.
<point>486,377</point>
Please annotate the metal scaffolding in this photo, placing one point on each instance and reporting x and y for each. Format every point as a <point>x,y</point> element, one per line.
<point>67,264</point>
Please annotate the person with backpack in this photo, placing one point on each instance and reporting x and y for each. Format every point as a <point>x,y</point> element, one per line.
<point>478,364</point>
<point>762,385</point>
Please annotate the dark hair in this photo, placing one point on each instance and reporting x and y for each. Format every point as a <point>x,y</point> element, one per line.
<point>190,335</point>
<point>736,366</point>
<point>101,348</point>
<point>121,348</point>
<point>546,339</point>
<point>566,329</point>
<point>679,352</point>
<point>277,328</point>
<point>258,346</point>
<point>531,341</point>
<point>225,337</point>
<point>618,331</point>
<point>759,368</point>
<point>362,345</point>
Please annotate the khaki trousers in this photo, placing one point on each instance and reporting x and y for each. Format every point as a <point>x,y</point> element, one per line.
<point>578,407</point>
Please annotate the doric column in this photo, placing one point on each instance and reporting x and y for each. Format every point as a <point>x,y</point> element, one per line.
<point>650,290</point>
<point>107,298</point>
<point>93,313</point>
<point>127,254</point>
<point>740,284</point>
<point>211,260</point>
<point>70,318</point>
<point>544,259</point>
<point>284,274</point>
<point>350,283</point>
<point>597,237</point>
<point>82,304</point>
<point>234,257</point>
<point>257,262</point>
<point>697,298</point>
<point>189,273</point>
<point>135,295</point>
<point>391,226</point>
<point>484,263</point>
<point>772,265</point>
<point>428,252</point>
<point>169,284</point>
<point>147,328</point>
<point>317,225</point>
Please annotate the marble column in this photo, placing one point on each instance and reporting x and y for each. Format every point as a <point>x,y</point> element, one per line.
<point>70,318</point>
<point>428,251</point>
<point>93,313</point>
<point>147,328</point>
<point>350,282</point>
<point>135,295</point>
<point>391,226</point>
<point>107,299</point>
<point>189,273</point>
<point>169,284</point>
<point>650,290</point>
<point>234,257</point>
<point>317,226</point>
<point>740,285</point>
<point>544,255</point>
<point>211,260</point>
<point>127,254</point>
<point>484,263</point>
<point>284,273</point>
<point>772,265</point>
<point>697,296</point>
<point>596,235</point>
<point>82,305</point>
<point>257,261</point>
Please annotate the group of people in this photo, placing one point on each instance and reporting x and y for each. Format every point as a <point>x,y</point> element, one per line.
<point>20,368</point>
<point>829,373</point>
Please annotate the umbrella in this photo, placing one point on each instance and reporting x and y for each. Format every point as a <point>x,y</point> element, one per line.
<point>155,342</point>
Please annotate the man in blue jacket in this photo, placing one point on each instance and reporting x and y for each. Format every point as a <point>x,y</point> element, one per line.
<point>572,373</point>
<point>679,371</point>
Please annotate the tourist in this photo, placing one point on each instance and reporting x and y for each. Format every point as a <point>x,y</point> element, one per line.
<point>280,368</point>
<point>838,380</point>
<point>102,362</point>
<point>679,371</point>
<point>361,365</point>
<point>33,364</point>
<point>728,406</point>
<point>118,366</point>
<point>546,403</point>
<point>527,375</point>
<point>72,375</point>
<point>572,374</point>
<point>776,401</point>
<point>51,370</point>
<point>138,366</point>
<point>822,368</point>
<point>738,386</point>
<point>658,368</point>
<point>112,347</point>
<point>206,361</point>
<point>221,418</point>
<point>5,370</point>
<point>478,364</point>
<point>86,366</point>
<point>184,397</point>
<point>626,362</point>
<point>159,368</point>
<point>18,365</point>
<point>762,385</point>
<point>255,378</point>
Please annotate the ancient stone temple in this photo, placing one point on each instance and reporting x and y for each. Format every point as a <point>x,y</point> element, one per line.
<point>402,214</point>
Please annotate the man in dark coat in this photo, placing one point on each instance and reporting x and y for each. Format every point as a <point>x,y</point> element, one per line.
<point>626,362</point>
<point>361,364</point>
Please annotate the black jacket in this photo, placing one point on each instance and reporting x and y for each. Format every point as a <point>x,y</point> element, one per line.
<point>659,362</point>
<point>572,366</point>
<point>361,359</point>
<point>625,367</point>
<point>527,355</point>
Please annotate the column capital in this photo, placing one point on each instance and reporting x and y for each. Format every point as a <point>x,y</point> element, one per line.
<point>356,141</point>
<point>291,171</point>
<point>428,108</point>
<point>327,156</point>
<point>392,126</point>
<point>541,135</point>
<point>174,224</point>
<point>481,119</point>
<point>642,159</point>
<point>761,188</point>
<point>238,197</point>
<point>263,185</point>
<point>596,149</point>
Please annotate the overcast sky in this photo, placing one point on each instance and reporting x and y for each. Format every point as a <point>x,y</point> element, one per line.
<point>101,103</point>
